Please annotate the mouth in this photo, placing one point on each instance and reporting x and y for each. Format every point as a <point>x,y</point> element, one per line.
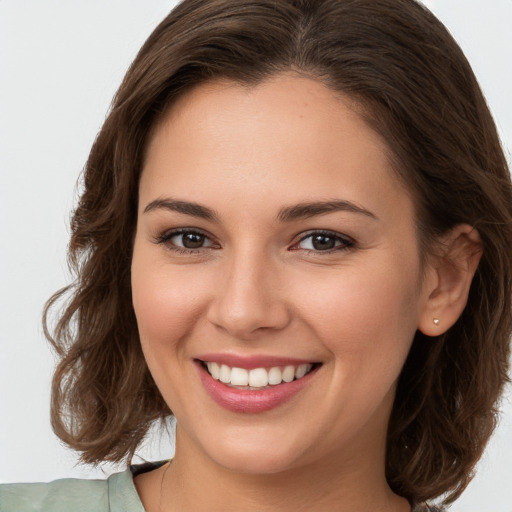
<point>254,384</point>
<point>257,378</point>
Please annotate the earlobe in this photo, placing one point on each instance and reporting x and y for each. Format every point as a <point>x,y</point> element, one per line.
<point>451,274</point>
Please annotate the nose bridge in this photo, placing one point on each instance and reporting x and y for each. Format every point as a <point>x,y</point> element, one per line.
<point>248,299</point>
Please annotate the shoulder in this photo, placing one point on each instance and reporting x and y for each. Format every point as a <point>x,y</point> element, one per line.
<point>115,494</point>
<point>60,495</point>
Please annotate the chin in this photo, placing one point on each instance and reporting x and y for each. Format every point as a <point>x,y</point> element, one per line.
<point>253,457</point>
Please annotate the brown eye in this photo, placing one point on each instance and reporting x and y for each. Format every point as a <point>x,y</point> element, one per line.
<point>184,240</point>
<point>324,242</point>
<point>191,240</point>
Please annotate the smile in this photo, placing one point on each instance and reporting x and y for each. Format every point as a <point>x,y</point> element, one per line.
<point>265,384</point>
<point>257,378</point>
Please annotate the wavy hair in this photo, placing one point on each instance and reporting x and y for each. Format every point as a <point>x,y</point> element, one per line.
<point>417,90</point>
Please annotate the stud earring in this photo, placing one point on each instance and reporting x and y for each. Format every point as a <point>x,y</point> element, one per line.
<point>436,321</point>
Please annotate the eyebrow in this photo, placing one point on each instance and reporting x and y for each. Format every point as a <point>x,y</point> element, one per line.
<point>186,207</point>
<point>287,214</point>
<point>306,210</point>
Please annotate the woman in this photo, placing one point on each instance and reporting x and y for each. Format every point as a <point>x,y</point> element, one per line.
<point>295,236</point>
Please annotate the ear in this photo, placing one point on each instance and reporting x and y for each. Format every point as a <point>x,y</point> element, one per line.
<point>449,278</point>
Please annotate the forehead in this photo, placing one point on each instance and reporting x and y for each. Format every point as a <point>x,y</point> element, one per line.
<point>285,140</point>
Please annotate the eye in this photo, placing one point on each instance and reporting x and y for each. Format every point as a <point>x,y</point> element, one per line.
<point>324,241</point>
<point>185,240</point>
<point>189,240</point>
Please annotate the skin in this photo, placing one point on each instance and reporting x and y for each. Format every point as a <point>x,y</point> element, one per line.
<point>258,286</point>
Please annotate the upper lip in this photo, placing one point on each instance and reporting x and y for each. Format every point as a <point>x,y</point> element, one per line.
<point>253,361</point>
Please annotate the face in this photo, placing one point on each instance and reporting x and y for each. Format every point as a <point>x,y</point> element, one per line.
<point>276,277</point>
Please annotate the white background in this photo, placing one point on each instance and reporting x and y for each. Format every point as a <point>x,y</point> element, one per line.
<point>60,64</point>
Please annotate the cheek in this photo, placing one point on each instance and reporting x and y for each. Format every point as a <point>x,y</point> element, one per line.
<point>166,303</point>
<point>365,315</point>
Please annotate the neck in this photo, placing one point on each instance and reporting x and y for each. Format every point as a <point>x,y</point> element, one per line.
<point>195,482</point>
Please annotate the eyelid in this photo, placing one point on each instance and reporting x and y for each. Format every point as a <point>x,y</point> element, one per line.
<point>165,237</point>
<point>347,242</point>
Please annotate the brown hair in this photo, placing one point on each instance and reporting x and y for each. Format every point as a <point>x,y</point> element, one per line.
<point>418,91</point>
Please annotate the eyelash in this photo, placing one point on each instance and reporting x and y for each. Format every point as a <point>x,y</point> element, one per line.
<point>346,242</point>
<point>165,238</point>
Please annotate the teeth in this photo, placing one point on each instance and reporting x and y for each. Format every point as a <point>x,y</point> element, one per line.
<point>257,377</point>
<point>239,377</point>
<point>301,371</point>
<point>225,374</point>
<point>275,376</point>
<point>214,370</point>
<point>289,373</point>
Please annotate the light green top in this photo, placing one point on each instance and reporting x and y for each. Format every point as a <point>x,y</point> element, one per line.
<point>115,494</point>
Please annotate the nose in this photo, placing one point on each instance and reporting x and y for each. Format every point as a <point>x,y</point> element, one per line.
<point>249,299</point>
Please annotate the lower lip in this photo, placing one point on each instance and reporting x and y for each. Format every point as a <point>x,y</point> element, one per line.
<point>252,401</point>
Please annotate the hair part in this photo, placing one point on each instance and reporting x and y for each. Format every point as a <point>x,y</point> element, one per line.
<point>417,90</point>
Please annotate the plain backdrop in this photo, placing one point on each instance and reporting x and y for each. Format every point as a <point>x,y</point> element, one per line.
<point>60,64</point>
